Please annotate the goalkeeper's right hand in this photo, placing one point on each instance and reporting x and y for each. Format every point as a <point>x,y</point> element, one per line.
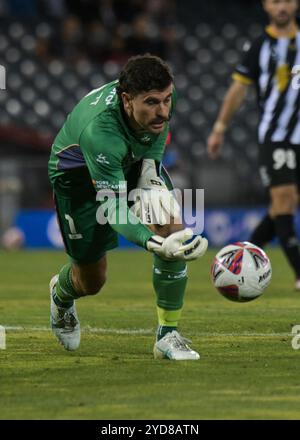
<point>175,247</point>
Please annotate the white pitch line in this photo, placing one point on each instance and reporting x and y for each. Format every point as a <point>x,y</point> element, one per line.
<point>142,331</point>
<point>84,329</point>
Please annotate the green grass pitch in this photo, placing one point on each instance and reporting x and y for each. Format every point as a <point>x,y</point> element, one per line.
<point>248,368</point>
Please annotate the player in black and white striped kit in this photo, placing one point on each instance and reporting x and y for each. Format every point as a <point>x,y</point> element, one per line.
<point>270,64</point>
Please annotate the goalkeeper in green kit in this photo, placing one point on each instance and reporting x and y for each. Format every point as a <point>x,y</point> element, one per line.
<point>111,143</point>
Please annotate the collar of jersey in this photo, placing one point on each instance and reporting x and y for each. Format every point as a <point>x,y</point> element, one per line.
<point>273,33</point>
<point>143,137</point>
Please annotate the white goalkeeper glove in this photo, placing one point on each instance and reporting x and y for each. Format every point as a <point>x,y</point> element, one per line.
<point>154,204</point>
<point>175,247</point>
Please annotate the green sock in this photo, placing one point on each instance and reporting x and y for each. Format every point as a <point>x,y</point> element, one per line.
<point>169,281</point>
<point>65,292</point>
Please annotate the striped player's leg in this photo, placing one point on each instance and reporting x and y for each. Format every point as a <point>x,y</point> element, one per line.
<point>279,169</point>
<point>284,203</point>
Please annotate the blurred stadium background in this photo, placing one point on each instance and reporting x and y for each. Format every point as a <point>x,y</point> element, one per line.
<point>55,51</point>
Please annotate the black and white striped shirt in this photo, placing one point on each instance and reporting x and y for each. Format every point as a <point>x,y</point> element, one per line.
<point>268,63</point>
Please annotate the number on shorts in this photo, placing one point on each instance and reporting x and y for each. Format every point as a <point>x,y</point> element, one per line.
<point>74,234</point>
<point>283,157</point>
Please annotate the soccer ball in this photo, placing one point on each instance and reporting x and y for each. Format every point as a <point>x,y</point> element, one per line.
<point>241,271</point>
<point>13,238</point>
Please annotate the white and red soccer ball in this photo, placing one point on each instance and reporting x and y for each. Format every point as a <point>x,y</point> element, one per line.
<point>13,238</point>
<point>241,271</point>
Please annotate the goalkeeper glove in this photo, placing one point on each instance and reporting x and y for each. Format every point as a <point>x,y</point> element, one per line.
<point>155,204</point>
<point>175,247</point>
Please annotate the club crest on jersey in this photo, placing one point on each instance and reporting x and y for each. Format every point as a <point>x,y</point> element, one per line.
<point>146,138</point>
<point>102,159</point>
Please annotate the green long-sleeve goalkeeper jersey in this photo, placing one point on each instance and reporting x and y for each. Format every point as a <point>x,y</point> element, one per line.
<point>96,135</point>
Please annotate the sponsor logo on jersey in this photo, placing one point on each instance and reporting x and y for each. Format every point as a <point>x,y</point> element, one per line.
<point>105,184</point>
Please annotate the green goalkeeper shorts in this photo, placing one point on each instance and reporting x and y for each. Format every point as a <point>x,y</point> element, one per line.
<point>86,241</point>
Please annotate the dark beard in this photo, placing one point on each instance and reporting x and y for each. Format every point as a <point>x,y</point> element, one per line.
<point>283,24</point>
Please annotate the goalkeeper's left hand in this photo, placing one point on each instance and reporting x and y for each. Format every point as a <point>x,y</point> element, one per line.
<point>155,204</point>
<point>174,247</point>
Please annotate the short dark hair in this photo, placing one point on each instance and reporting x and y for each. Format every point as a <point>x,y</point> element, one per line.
<point>143,73</point>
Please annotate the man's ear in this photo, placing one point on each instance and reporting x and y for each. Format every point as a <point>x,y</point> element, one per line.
<point>127,102</point>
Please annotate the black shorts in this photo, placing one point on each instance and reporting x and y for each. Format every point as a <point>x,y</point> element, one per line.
<point>279,164</point>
